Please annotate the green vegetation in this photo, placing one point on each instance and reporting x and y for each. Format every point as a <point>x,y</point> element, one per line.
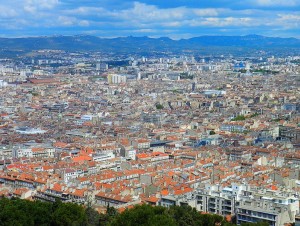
<point>96,78</point>
<point>254,115</point>
<point>212,132</point>
<point>242,70</point>
<point>33,93</point>
<point>276,119</point>
<point>17,212</point>
<point>239,118</point>
<point>173,216</point>
<point>186,75</point>
<point>263,71</point>
<point>177,91</point>
<point>159,106</point>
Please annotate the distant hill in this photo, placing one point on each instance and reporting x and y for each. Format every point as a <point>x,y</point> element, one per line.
<point>145,44</point>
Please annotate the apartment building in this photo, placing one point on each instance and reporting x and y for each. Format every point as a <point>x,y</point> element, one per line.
<point>249,204</point>
<point>217,200</point>
<point>275,210</point>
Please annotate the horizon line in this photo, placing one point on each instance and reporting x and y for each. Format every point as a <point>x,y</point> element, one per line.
<point>142,36</point>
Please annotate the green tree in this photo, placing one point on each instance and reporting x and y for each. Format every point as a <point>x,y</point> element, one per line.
<point>143,215</point>
<point>92,216</point>
<point>159,106</point>
<point>239,118</point>
<point>69,214</point>
<point>17,212</point>
<point>212,132</point>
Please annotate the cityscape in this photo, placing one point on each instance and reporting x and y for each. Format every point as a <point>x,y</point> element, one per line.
<point>126,122</point>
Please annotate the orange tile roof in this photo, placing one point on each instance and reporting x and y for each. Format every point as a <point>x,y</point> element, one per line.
<point>164,192</point>
<point>152,199</point>
<point>81,159</point>
<point>60,144</point>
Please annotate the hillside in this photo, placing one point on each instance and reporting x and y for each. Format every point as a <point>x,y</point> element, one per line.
<point>145,44</point>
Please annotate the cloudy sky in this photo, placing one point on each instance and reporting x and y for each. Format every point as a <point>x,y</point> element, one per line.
<point>156,18</point>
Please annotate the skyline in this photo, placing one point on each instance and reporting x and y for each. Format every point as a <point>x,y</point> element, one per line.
<point>175,19</point>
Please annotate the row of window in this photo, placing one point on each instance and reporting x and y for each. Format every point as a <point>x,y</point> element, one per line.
<point>258,214</point>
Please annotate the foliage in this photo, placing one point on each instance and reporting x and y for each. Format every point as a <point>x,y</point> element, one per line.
<point>92,216</point>
<point>144,215</point>
<point>176,91</point>
<point>276,120</point>
<point>212,132</point>
<point>254,115</point>
<point>17,212</point>
<point>159,106</point>
<point>243,70</point>
<point>186,75</point>
<point>175,215</point>
<point>239,118</point>
<point>263,71</point>
<point>23,212</point>
<point>69,214</point>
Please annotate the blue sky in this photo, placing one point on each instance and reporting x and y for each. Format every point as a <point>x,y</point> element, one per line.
<point>156,18</point>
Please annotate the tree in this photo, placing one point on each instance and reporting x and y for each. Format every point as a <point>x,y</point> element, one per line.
<point>143,215</point>
<point>159,106</point>
<point>69,214</point>
<point>23,212</point>
<point>239,118</point>
<point>92,216</point>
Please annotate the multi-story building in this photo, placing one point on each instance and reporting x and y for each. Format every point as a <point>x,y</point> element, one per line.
<point>249,204</point>
<point>276,210</point>
<point>218,200</point>
<point>293,134</point>
<point>154,118</point>
<point>232,128</point>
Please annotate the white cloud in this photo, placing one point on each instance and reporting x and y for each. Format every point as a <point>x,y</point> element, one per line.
<point>144,18</point>
<point>84,23</point>
<point>289,21</point>
<point>289,17</point>
<point>86,11</point>
<point>144,12</point>
<point>206,12</point>
<point>222,22</point>
<point>32,6</point>
<point>66,20</point>
<point>146,30</point>
<point>6,12</point>
<point>277,2</point>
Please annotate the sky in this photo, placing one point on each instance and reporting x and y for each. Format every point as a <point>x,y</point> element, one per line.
<point>157,18</point>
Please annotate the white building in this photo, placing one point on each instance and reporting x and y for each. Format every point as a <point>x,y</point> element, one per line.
<point>3,84</point>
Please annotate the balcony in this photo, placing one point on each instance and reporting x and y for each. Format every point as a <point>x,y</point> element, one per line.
<point>226,208</point>
<point>227,204</point>
<point>211,206</point>
<point>256,217</point>
<point>212,210</point>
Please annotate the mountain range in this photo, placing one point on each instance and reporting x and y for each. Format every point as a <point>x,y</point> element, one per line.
<point>146,44</point>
